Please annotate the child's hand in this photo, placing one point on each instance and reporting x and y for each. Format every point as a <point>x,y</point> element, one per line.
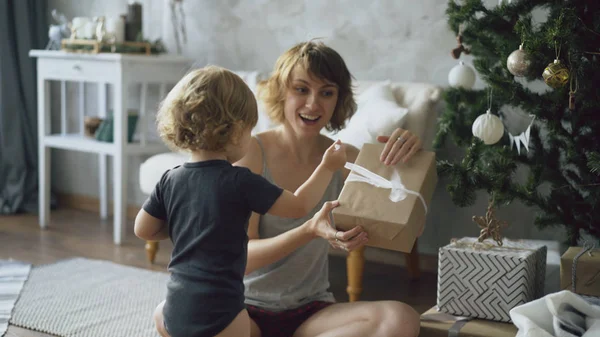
<point>335,156</point>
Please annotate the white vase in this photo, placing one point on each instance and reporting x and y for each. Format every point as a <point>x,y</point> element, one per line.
<point>116,27</point>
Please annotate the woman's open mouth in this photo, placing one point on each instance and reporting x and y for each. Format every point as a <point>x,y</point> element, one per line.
<point>309,119</point>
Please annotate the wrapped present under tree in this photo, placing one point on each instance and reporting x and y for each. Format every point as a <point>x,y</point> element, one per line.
<point>485,280</point>
<point>580,270</point>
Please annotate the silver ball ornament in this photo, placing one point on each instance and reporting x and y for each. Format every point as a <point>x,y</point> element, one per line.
<point>518,62</point>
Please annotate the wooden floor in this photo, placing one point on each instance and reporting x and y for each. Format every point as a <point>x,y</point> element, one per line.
<point>82,234</point>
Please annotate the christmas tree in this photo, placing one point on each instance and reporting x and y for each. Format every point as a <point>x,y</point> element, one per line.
<point>560,151</point>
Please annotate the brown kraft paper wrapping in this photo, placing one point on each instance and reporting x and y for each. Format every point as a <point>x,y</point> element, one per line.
<point>436,327</point>
<point>587,273</point>
<point>389,225</point>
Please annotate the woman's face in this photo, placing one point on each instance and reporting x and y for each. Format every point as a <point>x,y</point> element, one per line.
<point>309,102</point>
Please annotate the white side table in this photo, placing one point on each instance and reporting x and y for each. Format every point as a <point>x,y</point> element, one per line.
<point>121,71</point>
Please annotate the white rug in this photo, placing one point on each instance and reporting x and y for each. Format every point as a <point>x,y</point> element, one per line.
<point>90,298</point>
<point>12,276</point>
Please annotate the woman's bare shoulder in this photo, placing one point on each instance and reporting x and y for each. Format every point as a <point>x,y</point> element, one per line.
<point>253,159</point>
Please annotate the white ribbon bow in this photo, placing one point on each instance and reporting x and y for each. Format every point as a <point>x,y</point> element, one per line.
<point>398,191</point>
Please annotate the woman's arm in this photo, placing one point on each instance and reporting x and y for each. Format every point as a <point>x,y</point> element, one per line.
<point>148,227</point>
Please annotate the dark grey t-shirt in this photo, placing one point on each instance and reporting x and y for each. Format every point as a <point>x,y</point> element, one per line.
<point>207,206</point>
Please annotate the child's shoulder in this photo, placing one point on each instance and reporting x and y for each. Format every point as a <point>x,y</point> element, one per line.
<point>173,171</point>
<point>242,175</point>
<point>240,170</point>
<point>175,174</point>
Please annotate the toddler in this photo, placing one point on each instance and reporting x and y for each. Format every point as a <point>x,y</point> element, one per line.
<point>204,205</point>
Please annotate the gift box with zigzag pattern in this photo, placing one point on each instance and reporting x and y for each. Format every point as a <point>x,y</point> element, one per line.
<point>486,281</point>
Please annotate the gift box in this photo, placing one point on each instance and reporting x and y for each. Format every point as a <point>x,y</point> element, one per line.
<point>484,280</point>
<point>389,202</point>
<point>586,272</point>
<point>437,324</point>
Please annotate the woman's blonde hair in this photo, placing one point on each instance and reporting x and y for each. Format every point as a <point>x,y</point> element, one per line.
<point>206,110</point>
<point>318,60</point>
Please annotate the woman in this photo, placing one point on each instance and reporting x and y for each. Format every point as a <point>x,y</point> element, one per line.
<point>287,271</point>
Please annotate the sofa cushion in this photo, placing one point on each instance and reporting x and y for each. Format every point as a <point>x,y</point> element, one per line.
<point>378,114</point>
<point>153,168</point>
<point>422,101</point>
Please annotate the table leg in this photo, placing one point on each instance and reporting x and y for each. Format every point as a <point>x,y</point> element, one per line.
<point>355,263</point>
<point>102,158</point>
<point>412,263</point>
<point>43,152</point>
<point>120,161</point>
<point>151,250</point>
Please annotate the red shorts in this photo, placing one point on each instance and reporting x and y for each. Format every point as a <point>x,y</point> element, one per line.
<point>283,323</point>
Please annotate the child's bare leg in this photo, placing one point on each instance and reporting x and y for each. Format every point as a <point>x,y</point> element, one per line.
<point>239,327</point>
<point>159,320</point>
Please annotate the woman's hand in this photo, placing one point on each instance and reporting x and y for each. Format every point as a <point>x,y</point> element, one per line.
<point>400,146</point>
<point>320,226</point>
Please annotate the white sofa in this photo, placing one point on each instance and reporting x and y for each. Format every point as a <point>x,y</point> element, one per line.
<point>383,106</point>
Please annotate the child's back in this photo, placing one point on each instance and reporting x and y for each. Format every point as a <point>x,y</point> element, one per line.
<point>207,204</point>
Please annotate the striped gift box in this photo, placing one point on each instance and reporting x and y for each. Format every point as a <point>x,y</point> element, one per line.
<point>486,281</point>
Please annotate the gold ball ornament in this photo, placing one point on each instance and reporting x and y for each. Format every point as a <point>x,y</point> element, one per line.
<point>518,62</point>
<point>556,74</point>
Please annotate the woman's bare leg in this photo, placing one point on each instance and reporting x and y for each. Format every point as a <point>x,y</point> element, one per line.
<point>374,319</point>
<point>254,329</point>
<point>239,327</point>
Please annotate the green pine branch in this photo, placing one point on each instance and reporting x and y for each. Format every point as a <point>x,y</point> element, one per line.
<point>562,166</point>
<point>593,162</point>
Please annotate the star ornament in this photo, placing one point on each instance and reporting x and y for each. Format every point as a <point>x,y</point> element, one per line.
<point>490,226</point>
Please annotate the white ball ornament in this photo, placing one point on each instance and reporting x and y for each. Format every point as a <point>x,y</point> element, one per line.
<point>488,127</point>
<point>461,76</point>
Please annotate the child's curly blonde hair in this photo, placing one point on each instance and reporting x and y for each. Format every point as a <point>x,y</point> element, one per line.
<point>318,60</point>
<point>208,109</point>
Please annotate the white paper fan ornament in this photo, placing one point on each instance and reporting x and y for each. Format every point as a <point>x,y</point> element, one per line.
<point>522,138</point>
<point>515,121</point>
